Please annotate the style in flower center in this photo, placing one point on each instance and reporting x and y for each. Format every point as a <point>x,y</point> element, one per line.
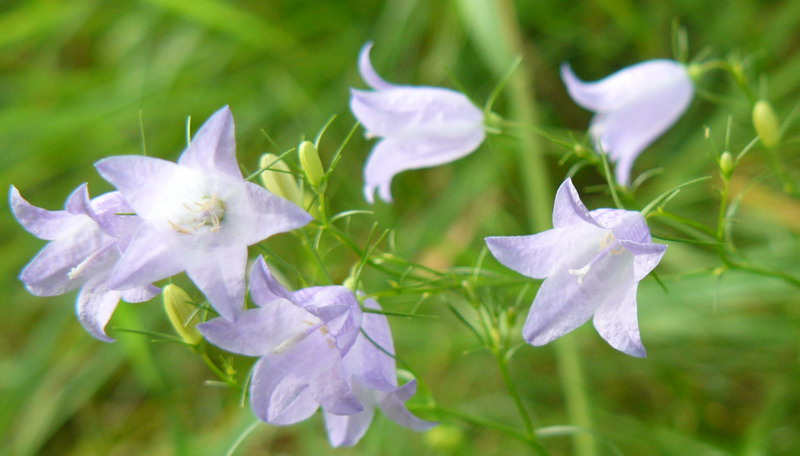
<point>608,244</point>
<point>291,341</point>
<point>206,214</point>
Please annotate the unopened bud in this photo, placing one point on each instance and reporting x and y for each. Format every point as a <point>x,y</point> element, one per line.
<point>309,160</point>
<point>351,283</point>
<point>766,124</point>
<point>182,313</point>
<point>278,179</point>
<point>493,122</point>
<point>726,165</point>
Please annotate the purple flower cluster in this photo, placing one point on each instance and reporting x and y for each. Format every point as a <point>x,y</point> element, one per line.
<point>313,352</point>
<point>199,215</point>
<point>317,347</point>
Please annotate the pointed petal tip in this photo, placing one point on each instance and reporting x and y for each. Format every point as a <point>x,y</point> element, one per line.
<point>369,194</point>
<point>368,72</point>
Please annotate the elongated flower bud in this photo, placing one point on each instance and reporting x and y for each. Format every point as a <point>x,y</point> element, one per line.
<point>726,165</point>
<point>182,313</point>
<point>279,180</point>
<point>309,160</point>
<point>766,124</point>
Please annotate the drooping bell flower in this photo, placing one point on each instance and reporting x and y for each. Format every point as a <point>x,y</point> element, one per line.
<point>419,127</point>
<point>86,240</point>
<point>633,107</point>
<point>592,263</point>
<point>198,215</point>
<point>373,378</point>
<point>300,338</point>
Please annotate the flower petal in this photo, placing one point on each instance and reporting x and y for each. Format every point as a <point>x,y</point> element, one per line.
<point>337,307</point>
<point>393,406</point>
<point>96,303</point>
<point>147,259</point>
<point>624,134</point>
<point>113,215</point>
<point>634,106</point>
<point>568,208</point>
<point>143,181</point>
<point>646,257</point>
<point>534,255</point>
<point>257,332</point>
<point>617,323</point>
<point>270,214</point>
<point>567,299</point>
<point>332,390</point>
<point>423,112</point>
<point>626,225</point>
<point>219,274</point>
<point>44,224</point>
<point>278,394</point>
<point>347,430</point>
<point>78,202</point>
<point>65,264</point>
<point>140,294</point>
<point>367,363</point>
<point>214,146</point>
<point>264,288</point>
<point>628,85</point>
<point>391,156</point>
<point>368,73</point>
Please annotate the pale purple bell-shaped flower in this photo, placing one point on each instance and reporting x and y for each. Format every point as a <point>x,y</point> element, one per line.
<point>419,127</point>
<point>373,379</point>
<point>85,242</point>
<point>633,107</point>
<point>592,263</point>
<point>198,215</point>
<point>300,338</point>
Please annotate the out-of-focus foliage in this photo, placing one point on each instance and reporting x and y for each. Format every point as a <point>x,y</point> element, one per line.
<point>85,79</point>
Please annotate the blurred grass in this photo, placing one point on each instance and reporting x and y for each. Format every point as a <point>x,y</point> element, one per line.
<point>721,376</point>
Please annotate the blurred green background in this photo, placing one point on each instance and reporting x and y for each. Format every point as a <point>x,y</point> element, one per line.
<point>76,77</point>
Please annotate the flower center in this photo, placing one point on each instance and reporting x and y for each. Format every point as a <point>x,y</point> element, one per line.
<point>203,215</point>
<point>608,244</point>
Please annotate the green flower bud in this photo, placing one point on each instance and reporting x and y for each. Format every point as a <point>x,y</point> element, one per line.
<point>766,124</point>
<point>279,180</point>
<point>351,283</point>
<point>309,160</point>
<point>493,122</point>
<point>726,165</point>
<point>182,313</point>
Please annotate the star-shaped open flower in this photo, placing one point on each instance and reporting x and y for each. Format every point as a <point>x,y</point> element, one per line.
<point>420,127</point>
<point>198,215</point>
<point>85,242</point>
<point>633,107</point>
<point>373,379</point>
<point>592,263</point>
<point>300,338</point>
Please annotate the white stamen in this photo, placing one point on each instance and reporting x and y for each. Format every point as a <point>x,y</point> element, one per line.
<point>297,338</point>
<point>580,272</point>
<point>608,244</point>
<point>78,270</point>
<point>208,212</point>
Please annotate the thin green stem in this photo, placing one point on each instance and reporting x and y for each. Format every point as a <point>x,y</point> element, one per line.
<point>572,382</point>
<point>539,196</point>
<point>315,255</point>
<point>222,375</point>
<point>502,363</point>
